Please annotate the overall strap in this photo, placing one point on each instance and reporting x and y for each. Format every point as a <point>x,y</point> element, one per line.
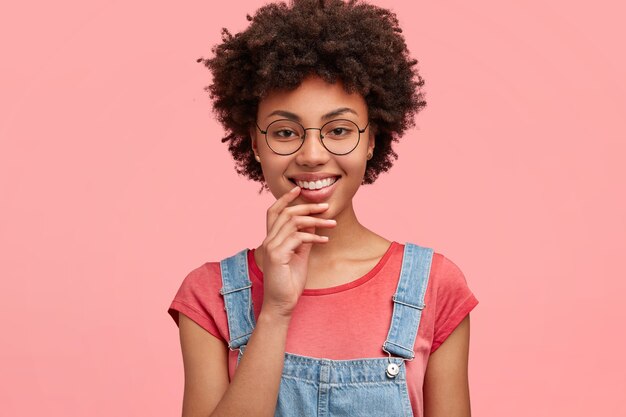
<point>409,301</point>
<point>236,290</point>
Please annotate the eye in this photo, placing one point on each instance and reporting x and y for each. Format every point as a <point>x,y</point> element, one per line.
<point>285,134</point>
<point>338,131</point>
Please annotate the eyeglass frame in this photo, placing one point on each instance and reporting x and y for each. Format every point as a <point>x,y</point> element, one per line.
<point>302,138</point>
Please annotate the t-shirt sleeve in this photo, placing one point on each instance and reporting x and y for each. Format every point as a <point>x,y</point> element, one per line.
<point>454,301</point>
<point>198,298</point>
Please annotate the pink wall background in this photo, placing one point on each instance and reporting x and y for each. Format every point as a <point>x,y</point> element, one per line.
<point>114,185</point>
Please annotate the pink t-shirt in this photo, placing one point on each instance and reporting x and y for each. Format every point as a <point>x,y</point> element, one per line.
<point>348,321</point>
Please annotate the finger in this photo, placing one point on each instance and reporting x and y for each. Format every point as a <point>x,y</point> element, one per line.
<point>296,224</point>
<point>275,209</point>
<point>294,211</point>
<point>292,243</point>
<point>308,208</point>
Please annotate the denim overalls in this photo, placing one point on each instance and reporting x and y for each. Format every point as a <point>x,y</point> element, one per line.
<point>325,387</point>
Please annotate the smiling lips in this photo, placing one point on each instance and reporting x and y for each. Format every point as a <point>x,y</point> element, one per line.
<point>315,189</point>
<point>316,185</point>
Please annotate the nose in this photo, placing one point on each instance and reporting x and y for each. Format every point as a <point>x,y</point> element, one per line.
<point>312,152</point>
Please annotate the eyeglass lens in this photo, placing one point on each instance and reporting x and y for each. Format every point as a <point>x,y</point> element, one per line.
<point>338,136</point>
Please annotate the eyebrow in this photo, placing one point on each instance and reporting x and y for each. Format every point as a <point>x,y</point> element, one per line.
<point>329,115</point>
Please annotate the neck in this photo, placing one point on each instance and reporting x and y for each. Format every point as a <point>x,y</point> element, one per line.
<point>342,238</point>
<point>341,243</point>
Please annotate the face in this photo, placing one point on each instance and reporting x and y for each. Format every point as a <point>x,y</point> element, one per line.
<point>314,103</point>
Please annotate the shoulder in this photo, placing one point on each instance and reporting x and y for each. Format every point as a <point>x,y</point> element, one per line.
<point>199,298</point>
<point>451,297</point>
<point>446,274</point>
<point>201,280</point>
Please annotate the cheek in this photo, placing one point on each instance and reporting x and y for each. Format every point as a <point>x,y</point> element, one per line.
<point>355,170</point>
<point>270,173</point>
<point>356,166</point>
<point>274,170</point>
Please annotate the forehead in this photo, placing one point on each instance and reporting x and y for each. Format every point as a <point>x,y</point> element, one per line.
<point>313,99</point>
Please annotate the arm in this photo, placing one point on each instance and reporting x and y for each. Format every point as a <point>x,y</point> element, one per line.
<point>254,389</point>
<point>205,357</point>
<point>446,387</point>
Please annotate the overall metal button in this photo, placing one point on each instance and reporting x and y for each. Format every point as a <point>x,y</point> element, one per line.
<point>392,370</point>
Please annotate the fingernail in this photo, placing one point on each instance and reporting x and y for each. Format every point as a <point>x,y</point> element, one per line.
<point>322,204</point>
<point>295,188</point>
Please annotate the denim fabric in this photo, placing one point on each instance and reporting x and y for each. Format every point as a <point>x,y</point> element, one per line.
<point>326,387</point>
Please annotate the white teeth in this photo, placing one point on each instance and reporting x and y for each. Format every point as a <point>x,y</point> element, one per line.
<point>316,185</point>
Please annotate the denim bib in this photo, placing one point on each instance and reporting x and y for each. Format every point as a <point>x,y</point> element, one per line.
<point>326,387</point>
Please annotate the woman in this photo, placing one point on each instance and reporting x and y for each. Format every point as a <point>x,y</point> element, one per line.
<point>324,317</point>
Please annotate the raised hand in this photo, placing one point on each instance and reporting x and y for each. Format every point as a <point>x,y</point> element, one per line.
<point>286,248</point>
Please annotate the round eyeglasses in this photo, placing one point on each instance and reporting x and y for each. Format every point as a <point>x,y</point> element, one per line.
<point>286,136</point>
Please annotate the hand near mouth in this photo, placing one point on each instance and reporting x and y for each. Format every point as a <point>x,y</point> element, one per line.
<point>286,249</point>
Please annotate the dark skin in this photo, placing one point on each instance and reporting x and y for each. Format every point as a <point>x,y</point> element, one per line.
<point>308,245</point>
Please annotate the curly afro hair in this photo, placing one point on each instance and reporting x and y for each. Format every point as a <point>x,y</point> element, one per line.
<point>356,43</point>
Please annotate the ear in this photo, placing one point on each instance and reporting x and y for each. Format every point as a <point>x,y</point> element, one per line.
<point>372,140</point>
<point>253,139</point>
